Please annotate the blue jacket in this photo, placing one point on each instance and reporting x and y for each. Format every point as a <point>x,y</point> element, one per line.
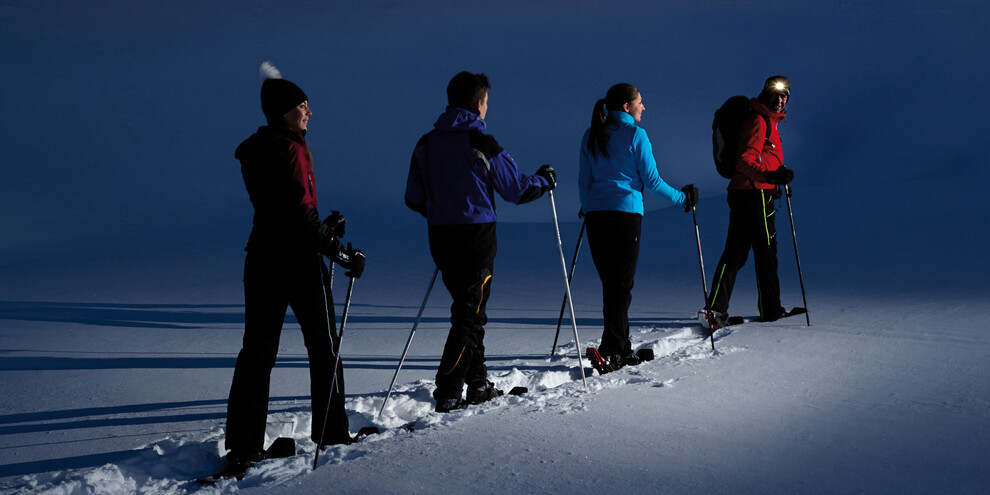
<point>456,170</point>
<point>616,182</point>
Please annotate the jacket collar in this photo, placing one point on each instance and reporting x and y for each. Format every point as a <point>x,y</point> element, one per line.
<point>270,131</point>
<point>459,119</point>
<point>762,109</point>
<point>620,116</point>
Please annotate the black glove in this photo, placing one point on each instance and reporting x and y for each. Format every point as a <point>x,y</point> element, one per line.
<point>690,196</point>
<point>352,260</point>
<point>336,223</point>
<point>546,171</point>
<point>781,176</point>
<point>357,263</point>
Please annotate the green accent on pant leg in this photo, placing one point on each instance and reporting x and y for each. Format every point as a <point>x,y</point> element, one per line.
<point>766,225</point>
<point>717,285</point>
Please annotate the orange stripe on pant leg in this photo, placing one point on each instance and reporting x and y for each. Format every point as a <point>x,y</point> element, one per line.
<point>459,356</point>
<point>482,297</point>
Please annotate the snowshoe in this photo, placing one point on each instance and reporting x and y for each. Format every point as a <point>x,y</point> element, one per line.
<point>237,465</point>
<point>281,447</point>
<point>620,361</point>
<point>484,393</point>
<point>720,319</point>
<point>235,468</point>
<point>367,431</point>
<point>448,405</point>
<point>739,320</point>
<point>601,365</point>
<point>343,438</point>
<point>645,355</point>
<point>784,313</point>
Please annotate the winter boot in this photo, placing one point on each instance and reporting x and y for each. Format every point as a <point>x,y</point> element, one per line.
<point>482,393</point>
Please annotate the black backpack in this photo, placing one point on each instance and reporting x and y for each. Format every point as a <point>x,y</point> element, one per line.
<point>728,122</point>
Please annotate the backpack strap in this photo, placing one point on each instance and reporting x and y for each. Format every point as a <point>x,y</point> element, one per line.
<point>766,138</point>
<point>766,142</point>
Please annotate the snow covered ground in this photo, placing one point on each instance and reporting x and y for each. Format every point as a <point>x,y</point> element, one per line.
<point>124,219</point>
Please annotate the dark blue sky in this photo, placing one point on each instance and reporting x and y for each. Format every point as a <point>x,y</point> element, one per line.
<point>120,120</point>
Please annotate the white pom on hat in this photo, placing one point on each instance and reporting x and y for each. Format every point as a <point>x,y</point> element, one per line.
<point>269,71</point>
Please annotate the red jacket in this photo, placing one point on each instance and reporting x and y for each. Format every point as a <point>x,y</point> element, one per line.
<point>278,173</point>
<point>755,159</point>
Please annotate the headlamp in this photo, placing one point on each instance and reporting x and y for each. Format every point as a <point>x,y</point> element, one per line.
<point>778,84</point>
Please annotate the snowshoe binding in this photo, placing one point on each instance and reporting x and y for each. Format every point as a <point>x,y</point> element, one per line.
<point>602,364</point>
<point>719,320</point>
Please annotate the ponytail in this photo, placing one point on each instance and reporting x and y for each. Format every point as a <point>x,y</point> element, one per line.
<point>617,96</point>
<point>597,138</point>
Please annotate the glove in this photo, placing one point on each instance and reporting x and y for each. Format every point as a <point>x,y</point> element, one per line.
<point>780,177</point>
<point>336,223</point>
<point>352,260</point>
<point>690,196</point>
<point>546,171</point>
<point>357,263</point>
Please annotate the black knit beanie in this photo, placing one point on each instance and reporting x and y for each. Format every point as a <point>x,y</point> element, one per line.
<point>278,96</point>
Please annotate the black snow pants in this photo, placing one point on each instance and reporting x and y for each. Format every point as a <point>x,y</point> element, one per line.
<point>465,255</point>
<point>751,226</point>
<point>272,283</point>
<point>613,237</point>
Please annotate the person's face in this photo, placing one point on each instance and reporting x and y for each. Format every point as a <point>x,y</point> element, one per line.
<point>298,118</point>
<point>483,106</point>
<point>635,108</point>
<point>776,102</point>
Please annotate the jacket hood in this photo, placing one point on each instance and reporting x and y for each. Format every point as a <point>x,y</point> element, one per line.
<point>762,109</point>
<point>459,119</point>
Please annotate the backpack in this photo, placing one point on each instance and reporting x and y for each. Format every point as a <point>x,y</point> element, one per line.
<point>728,122</point>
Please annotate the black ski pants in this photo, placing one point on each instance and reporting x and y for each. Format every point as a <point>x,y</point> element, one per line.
<point>613,237</point>
<point>272,283</point>
<point>751,226</point>
<point>465,255</point>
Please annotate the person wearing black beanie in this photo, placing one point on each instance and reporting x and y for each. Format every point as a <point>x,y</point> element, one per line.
<point>278,96</point>
<point>284,267</point>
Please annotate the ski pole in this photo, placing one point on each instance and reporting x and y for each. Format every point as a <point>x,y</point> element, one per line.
<point>704,279</point>
<point>332,212</point>
<point>402,359</point>
<point>787,191</point>
<point>567,287</point>
<point>570,276</point>
<point>336,364</point>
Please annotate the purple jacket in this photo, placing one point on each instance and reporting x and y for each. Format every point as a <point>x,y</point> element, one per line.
<point>456,170</point>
